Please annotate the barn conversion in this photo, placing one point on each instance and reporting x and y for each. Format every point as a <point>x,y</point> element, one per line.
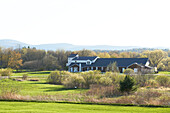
<point>79,64</point>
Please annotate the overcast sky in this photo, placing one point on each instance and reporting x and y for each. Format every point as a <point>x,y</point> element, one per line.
<point>87,22</point>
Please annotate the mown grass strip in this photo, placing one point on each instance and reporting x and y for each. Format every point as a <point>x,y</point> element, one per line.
<point>40,107</point>
<point>86,103</point>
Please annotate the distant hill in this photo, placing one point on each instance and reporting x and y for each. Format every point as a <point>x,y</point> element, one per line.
<point>7,43</point>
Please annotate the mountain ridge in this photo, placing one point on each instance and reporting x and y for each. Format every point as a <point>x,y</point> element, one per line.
<point>8,43</point>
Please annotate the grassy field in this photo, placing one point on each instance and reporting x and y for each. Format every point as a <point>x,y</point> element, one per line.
<point>164,72</point>
<point>33,74</point>
<point>40,88</point>
<point>34,107</point>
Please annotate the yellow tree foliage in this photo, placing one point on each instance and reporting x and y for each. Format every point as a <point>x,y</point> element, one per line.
<point>114,55</point>
<point>85,52</point>
<point>124,55</point>
<point>155,56</point>
<point>15,60</point>
<point>165,64</point>
<point>103,55</point>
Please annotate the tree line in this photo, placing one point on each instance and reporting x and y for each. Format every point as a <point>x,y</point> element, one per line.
<point>34,59</point>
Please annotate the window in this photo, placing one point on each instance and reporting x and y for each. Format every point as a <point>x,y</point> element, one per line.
<point>135,70</point>
<point>75,69</point>
<point>107,68</point>
<point>88,62</point>
<point>123,69</point>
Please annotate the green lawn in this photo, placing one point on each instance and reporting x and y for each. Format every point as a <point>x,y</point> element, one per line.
<point>40,88</point>
<point>34,107</point>
<point>36,73</point>
<point>164,72</point>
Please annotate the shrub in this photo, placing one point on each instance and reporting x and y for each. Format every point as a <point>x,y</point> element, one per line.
<point>152,83</point>
<point>5,72</point>
<point>129,71</point>
<point>115,77</point>
<point>163,80</point>
<point>91,77</point>
<point>24,76</point>
<point>141,80</point>
<point>127,85</point>
<point>74,81</point>
<point>105,81</point>
<point>57,77</point>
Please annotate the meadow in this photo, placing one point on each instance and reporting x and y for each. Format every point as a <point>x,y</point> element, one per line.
<point>50,97</point>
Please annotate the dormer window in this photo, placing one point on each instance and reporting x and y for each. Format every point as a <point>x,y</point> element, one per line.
<point>88,62</point>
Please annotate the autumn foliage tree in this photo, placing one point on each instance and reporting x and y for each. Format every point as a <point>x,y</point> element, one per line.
<point>165,64</point>
<point>155,56</point>
<point>112,67</point>
<point>37,59</point>
<point>15,60</point>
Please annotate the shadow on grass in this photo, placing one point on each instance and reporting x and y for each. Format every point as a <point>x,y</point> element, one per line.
<point>55,87</point>
<point>51,89</point>
<point>39,72</point>
<point>35,82</point>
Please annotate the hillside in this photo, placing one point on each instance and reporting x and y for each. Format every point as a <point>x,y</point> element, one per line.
<point>8,43</point>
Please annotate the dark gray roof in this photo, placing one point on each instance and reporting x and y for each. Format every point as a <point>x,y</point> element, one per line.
<point>121,62</point>
<point>82,64</point>
<point>104,62</point>
<point>72,55</point>
<point>85,58</point>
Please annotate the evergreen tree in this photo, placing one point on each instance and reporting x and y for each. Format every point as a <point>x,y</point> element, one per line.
<point>127,85</point>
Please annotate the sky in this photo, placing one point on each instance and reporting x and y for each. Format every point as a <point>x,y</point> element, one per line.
<point>143,23</point>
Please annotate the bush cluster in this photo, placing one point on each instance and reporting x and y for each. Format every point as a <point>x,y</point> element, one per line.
<point>58,77</point>
<point>74,81</point>
<point>84,79</point>
<point>111,84</point>
<point>5,72</point>
<point>129,71</point>
<point>163,80</point>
